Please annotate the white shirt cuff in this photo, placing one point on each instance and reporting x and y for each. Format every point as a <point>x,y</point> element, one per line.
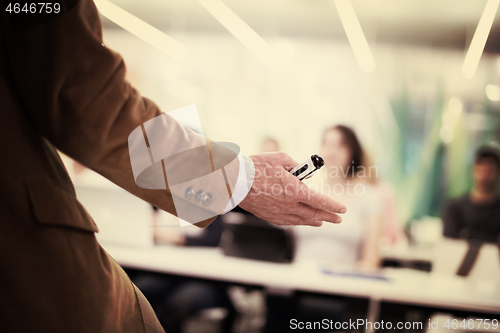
<point>244,183</point>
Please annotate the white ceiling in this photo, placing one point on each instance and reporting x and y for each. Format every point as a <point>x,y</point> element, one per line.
<point>437,23</point>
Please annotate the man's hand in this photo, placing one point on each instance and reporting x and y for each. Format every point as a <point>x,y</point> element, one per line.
<point>279,197</point>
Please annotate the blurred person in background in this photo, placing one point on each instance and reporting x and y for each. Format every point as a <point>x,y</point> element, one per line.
<point>349,178</point>
<point>476,215</point>
<point>269,145</point>
<point>354,244</point>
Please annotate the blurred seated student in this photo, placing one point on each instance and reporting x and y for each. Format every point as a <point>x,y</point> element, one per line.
<point>347,177</point>
<point>351,244</point>
<point>476,215</point>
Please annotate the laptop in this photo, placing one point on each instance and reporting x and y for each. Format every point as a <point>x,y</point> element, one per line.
<point>247,236</point>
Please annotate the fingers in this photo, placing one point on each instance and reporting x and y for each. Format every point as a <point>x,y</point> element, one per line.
<point>315,214</point>
<point>319,201</point>
<point>291,219</point>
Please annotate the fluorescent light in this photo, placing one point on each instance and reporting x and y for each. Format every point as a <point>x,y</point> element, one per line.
<point>242,31</point>
<point>154,37</point>
<point>493,92</point>
<point>479,40</point>
<point>355,35</point>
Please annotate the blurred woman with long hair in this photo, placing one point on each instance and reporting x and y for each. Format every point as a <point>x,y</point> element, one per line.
<point>348,178</point>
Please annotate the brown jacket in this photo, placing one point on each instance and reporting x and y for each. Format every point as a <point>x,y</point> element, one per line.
<point>60,87</point>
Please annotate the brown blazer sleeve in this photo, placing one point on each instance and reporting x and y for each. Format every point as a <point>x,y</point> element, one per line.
<point>75,93</point>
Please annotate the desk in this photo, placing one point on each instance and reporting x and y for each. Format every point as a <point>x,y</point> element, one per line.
<point>403,286</point>
<point>408,287</point>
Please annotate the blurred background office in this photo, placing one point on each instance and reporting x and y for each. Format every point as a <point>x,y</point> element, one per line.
<point>418,82</point>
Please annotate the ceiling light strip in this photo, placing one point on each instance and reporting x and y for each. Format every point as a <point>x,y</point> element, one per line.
<point>239,29</point>
<point>355,35</point>
<point>154,37</point>
<point>478,42</point>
